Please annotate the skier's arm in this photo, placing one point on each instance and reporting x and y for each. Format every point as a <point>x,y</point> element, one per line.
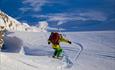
<point>49,41</point>
<point>65,40</point>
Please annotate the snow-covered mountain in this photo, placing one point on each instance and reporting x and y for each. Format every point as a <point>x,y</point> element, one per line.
<point>12,24</point>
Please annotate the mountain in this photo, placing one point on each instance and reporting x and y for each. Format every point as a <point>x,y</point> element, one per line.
<point>12,24</point>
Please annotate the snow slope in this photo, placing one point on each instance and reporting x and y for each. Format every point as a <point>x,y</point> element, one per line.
<point>30,51</point>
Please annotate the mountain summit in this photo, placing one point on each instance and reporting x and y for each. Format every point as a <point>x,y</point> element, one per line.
<point>11,24</point>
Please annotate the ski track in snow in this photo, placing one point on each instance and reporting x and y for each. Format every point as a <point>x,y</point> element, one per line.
<point>97,51</point>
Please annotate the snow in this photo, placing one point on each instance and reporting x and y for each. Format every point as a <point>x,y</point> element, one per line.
<point>13,25</point>
<point>1,22</point>
<point>30,51</point>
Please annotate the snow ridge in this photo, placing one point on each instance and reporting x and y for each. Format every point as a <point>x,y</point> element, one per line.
<point>12,24</point>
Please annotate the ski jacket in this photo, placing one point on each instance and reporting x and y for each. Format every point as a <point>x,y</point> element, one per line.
<point>61,39</point>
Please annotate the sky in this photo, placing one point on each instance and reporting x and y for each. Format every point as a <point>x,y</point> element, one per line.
<point>72,15</point>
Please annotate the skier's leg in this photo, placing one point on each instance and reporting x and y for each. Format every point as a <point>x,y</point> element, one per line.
<point>55,52</point>
<point>59,52</point>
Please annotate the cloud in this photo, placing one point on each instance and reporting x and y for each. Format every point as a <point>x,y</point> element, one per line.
<point>75,16</point>
<point>24,9</point>
<point>93,15</point>
<point>57,29</point>
<point>35,5</point>
<point>60,22</point>
<point>83,16</point>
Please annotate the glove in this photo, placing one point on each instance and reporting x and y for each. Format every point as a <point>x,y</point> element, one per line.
<point>69,42</point>
<point>48,42</point>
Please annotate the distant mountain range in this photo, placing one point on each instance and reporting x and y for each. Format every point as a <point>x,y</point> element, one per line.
<point>12,24</point>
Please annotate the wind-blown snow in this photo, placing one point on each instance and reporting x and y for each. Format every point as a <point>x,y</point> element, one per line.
<point>33,53</point>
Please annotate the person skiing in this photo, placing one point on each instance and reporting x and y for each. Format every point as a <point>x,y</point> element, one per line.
<point>55,38</point>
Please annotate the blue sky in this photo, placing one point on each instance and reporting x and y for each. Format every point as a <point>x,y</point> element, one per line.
<point>73,15</point>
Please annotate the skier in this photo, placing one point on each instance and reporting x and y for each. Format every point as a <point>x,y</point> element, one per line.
<point>55,38</point>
